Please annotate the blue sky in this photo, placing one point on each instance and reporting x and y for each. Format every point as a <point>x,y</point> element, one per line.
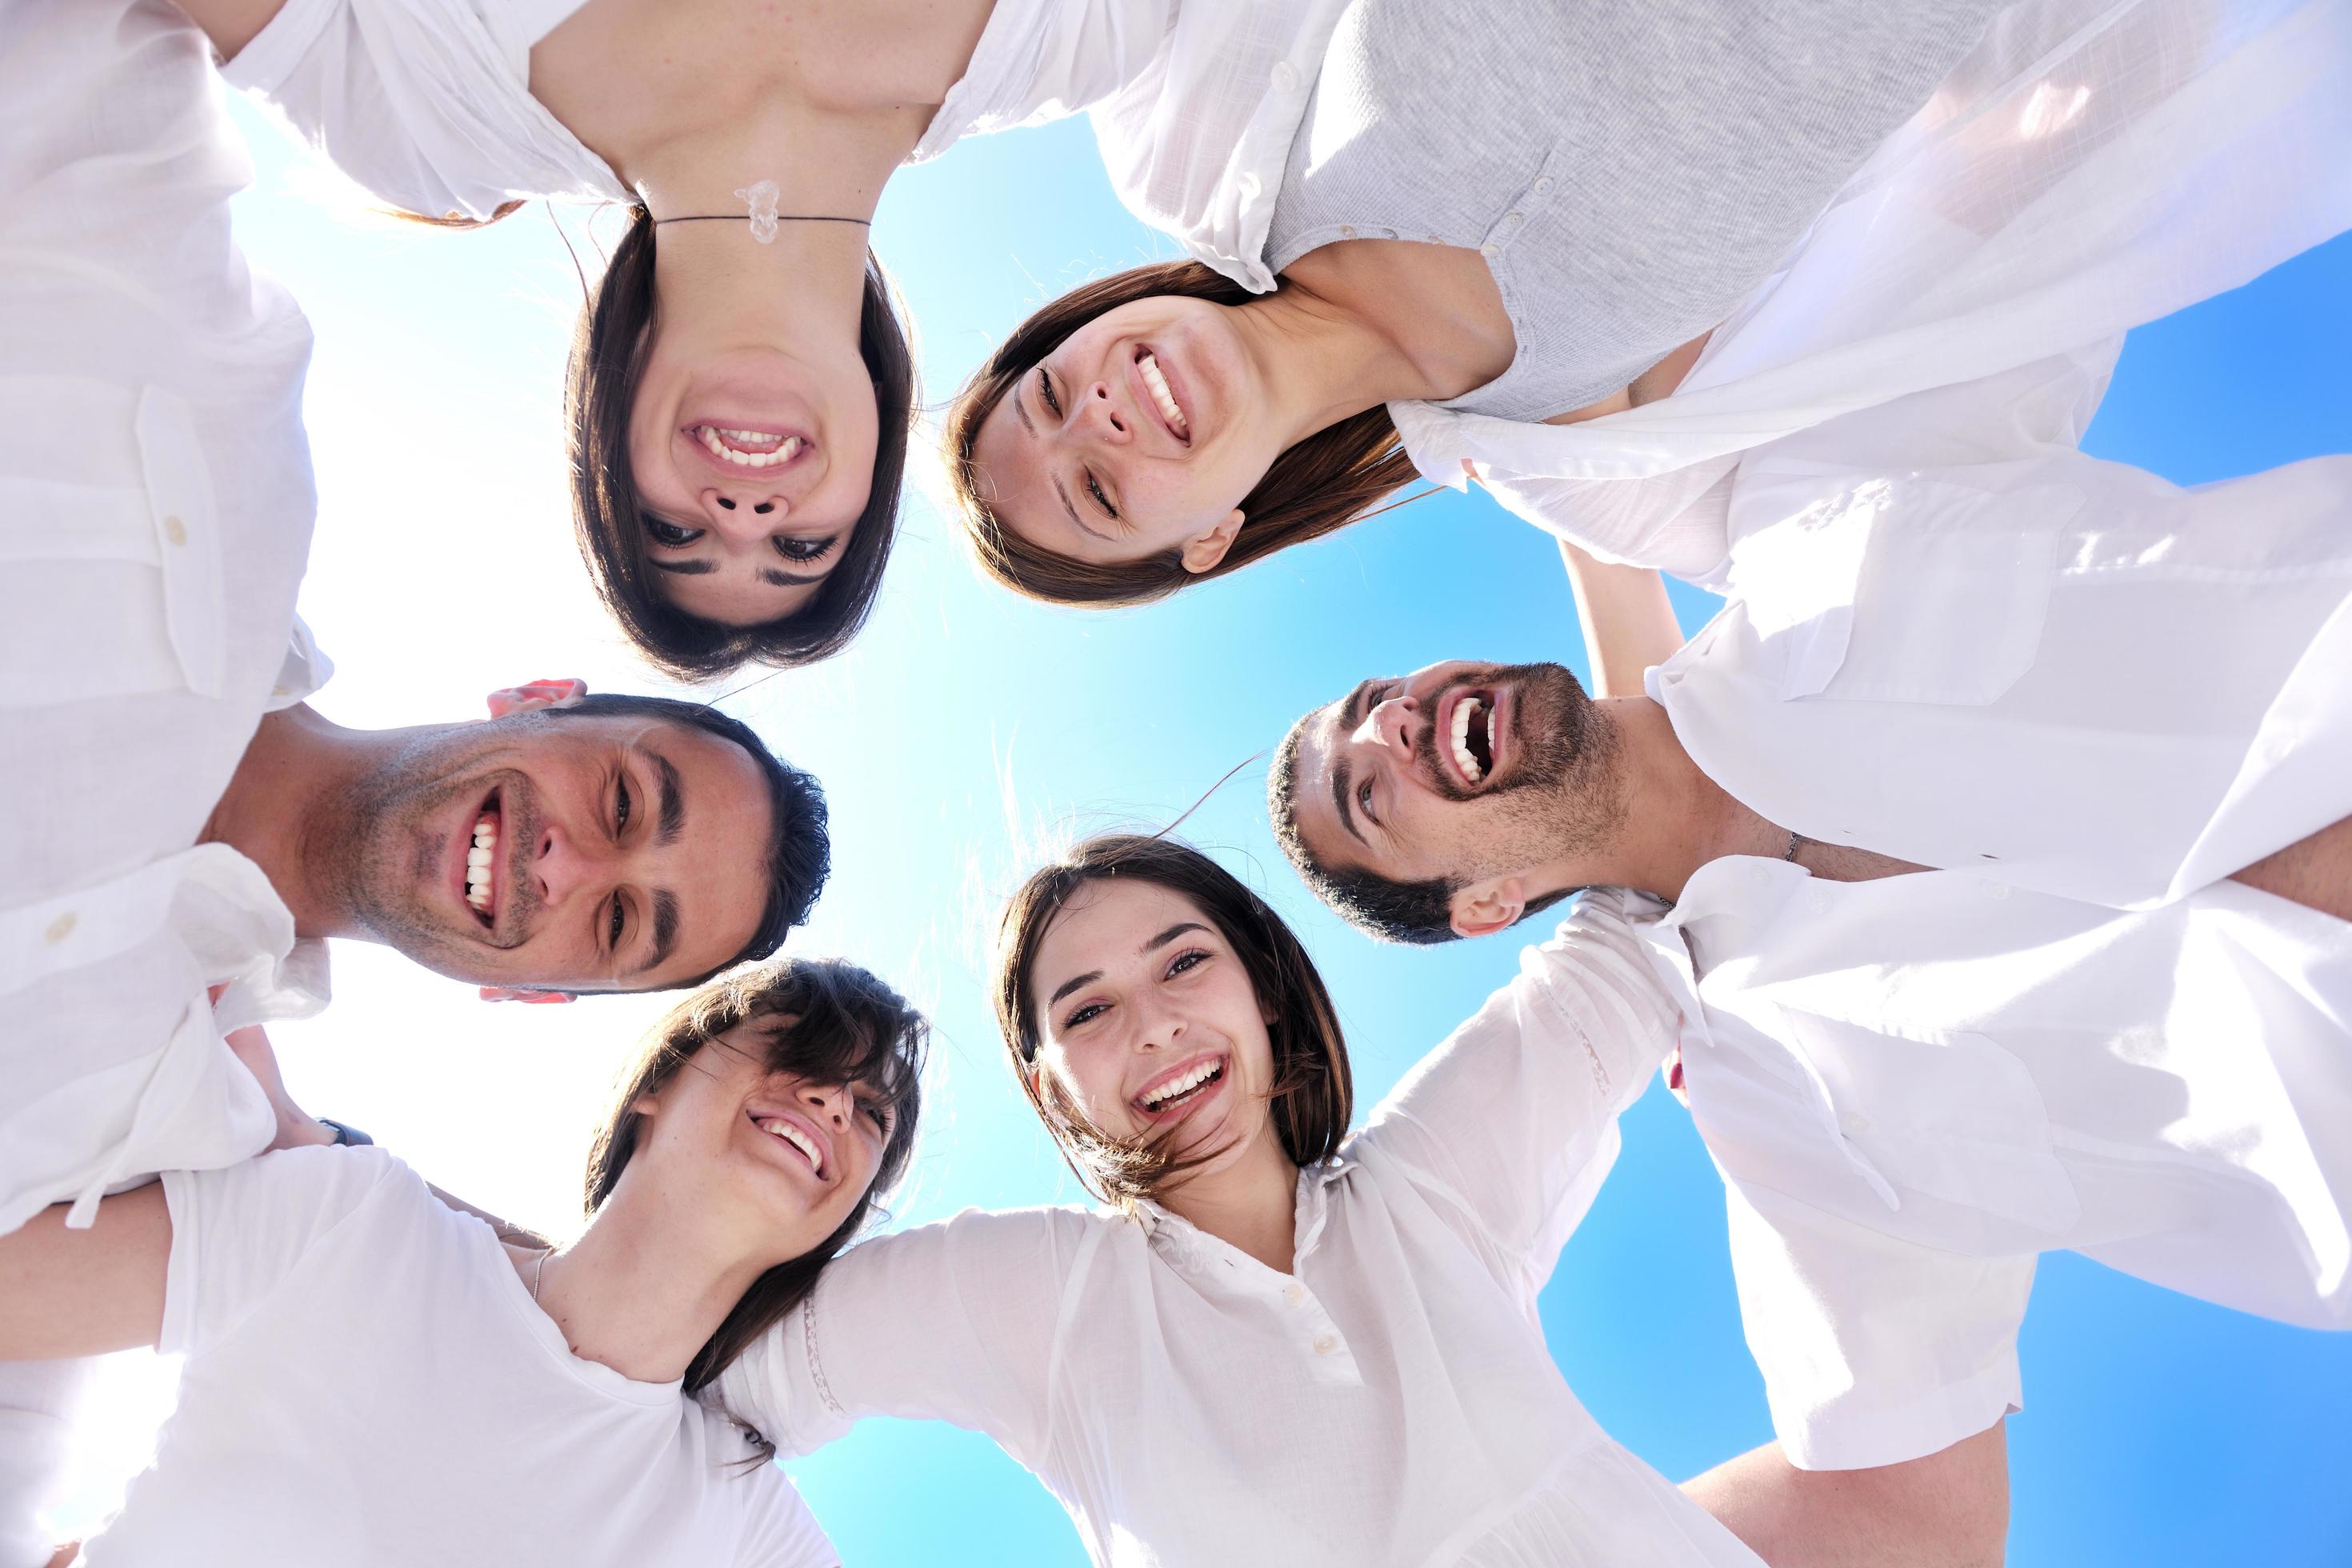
<point>967,728</point>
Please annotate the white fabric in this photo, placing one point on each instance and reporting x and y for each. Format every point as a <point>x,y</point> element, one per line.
<point>1914,1085</point>
<point>1390,1401</point>
<point>368,1383</point>
<point>156,511</point>
<point>427,103</point>
<point>39,1403</point>
<point>2065,673</point>
<point>2094,165</point>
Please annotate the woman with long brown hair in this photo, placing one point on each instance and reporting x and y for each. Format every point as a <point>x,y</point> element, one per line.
<point>1594,257</point>
<point>375,1377</point>
<point>1277,1340</point>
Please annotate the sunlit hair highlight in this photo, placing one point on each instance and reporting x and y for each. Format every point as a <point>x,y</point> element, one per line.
<point>1322,483</point>
<point>822,1019</point>
<point>1312,1092</point>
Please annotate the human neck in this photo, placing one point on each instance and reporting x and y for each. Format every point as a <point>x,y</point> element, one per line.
<point>279,809</point>
<point>1675,820</point>
<point>1251,1204</point>
<point>644,1287</point>
<point>1323,361</point>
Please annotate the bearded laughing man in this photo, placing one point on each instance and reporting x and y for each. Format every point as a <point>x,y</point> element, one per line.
<point>1996,853</point>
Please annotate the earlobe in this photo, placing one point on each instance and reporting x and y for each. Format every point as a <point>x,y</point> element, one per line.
<point>1206,553</point>
<point>534,694</point>
<point>1485,908</point>
<point>523,993</point>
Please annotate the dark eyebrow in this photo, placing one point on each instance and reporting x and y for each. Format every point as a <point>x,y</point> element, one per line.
<point>1351,715</point>
<point>1154,945</point>
<point>664,930</point>
<point>776,579</point>
<point>686,568</point>
<point>673,799</point>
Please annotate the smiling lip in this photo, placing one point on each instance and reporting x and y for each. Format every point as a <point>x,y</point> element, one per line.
<point>1181,1070</point>
<point>772,439</point>
<point>491,804</point>
<point>794,1118</point>
<point>1447,705</point>
<point>1139,392</point>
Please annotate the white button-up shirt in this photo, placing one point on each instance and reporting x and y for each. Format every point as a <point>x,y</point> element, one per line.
<point>155,511</point>
<point>1388,1401</point>
<point>427,103</point>
<point>2092,165</point>
<point>1914,1085</point>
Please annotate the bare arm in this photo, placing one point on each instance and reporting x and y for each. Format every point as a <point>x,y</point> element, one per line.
<point>230,23</point>
<point>85,1292</point>
<point>1947,1510</point>
<point>1628,624</point>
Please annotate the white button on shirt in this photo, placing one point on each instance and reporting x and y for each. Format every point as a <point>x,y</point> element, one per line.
<point>155,511</point>
<point>2200,147</point>
<point>1912,1090</point>
<point>1390,1401</point>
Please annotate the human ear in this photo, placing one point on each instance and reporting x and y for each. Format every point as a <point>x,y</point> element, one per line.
<point>1206,551</point>
<point>522,994</point>
<point>1485,907</point>
<point>534,694</point>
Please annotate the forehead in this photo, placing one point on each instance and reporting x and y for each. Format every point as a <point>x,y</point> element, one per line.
<point>1104,924</point>
<point>1320,740</point>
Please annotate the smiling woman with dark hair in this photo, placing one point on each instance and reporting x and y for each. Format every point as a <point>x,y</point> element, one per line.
<point>377,1378</point>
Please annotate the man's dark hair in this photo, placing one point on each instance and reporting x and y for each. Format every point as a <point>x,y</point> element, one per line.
<point>800,850</point>
<point>1419,912</point>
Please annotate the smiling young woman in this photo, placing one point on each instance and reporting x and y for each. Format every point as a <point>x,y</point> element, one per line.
<point>369,1366</point>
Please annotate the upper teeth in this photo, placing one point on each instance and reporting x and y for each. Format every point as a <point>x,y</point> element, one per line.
<point>1174,1087</point>
<point>1159,392</point>
<point>478,861</point>
<point>1463,712</point>
<point>795,1137</point>
<point>714,439</point>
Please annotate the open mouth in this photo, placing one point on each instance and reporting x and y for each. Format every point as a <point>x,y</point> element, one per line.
<point>747,449</point>
<point>1469,730</point>
<point>481,863</point>
<point>1155,383</point>
<point>1183,1088</point>
<point>790,1133</point>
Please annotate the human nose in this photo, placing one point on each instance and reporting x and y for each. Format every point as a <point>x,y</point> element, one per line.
<point>564,866</point>
<point>1097,416</point>
<point>1389,726</point>
<point>1158,1027</point>
<point>744,514</point>
<point>830,1101</point>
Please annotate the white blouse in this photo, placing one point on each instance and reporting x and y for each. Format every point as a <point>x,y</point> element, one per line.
<point>2092,165</point>
<point>1389,1401</point>
<point>155,512</point>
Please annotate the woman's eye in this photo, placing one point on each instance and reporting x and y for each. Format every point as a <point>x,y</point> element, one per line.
<point>1101,499</point>
<point>669,534</point>
<point>802,550</point>
<point>1084,1014</point>
<point>881,1114</point>
<point>1186,961</point>
<point>1045,391</point>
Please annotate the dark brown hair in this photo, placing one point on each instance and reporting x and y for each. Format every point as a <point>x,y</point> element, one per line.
<point>609,348</point>
<point>829,1022</point>
<point>1322,483</point>
<point>1313,1095</point>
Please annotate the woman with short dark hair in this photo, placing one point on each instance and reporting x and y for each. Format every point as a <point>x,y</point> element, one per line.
<point>377,1379</point>
<point>1279,1342</point>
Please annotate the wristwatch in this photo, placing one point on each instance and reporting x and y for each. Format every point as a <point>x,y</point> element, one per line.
<point>344,1134</point>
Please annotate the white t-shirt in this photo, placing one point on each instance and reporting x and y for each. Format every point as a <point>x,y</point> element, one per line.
<point>369,1383</point>
<point>1391,1400</point>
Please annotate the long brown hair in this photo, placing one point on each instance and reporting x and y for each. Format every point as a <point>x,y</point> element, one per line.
<point>829,1022</point>
<point>1322,483</point>
<point>609,347</point>
<point>1313,1094</point>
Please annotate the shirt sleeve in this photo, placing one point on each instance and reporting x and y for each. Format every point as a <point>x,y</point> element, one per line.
<point>787,1534</point>
<point>1511,1123</point>
<point>952,1322</point>
<point>239,1232</point>
<point>1874,1350</point>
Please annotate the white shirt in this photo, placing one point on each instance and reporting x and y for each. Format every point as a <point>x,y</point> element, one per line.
<point>369,1382</point>
<point>2066,674</point>
<point>155,511</point>
<point>2094,165</point>
<point>1913,1086</point>
<point>427,103</point>
<point>1390,1401</point>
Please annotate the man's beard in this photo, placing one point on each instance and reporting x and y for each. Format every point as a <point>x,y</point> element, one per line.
<point>1563,798</point>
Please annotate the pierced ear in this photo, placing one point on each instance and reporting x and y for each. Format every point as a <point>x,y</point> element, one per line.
<point>1204,553</point>
<point>534,694</point>
<point>523,993</point>
<point>1485,908</point>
